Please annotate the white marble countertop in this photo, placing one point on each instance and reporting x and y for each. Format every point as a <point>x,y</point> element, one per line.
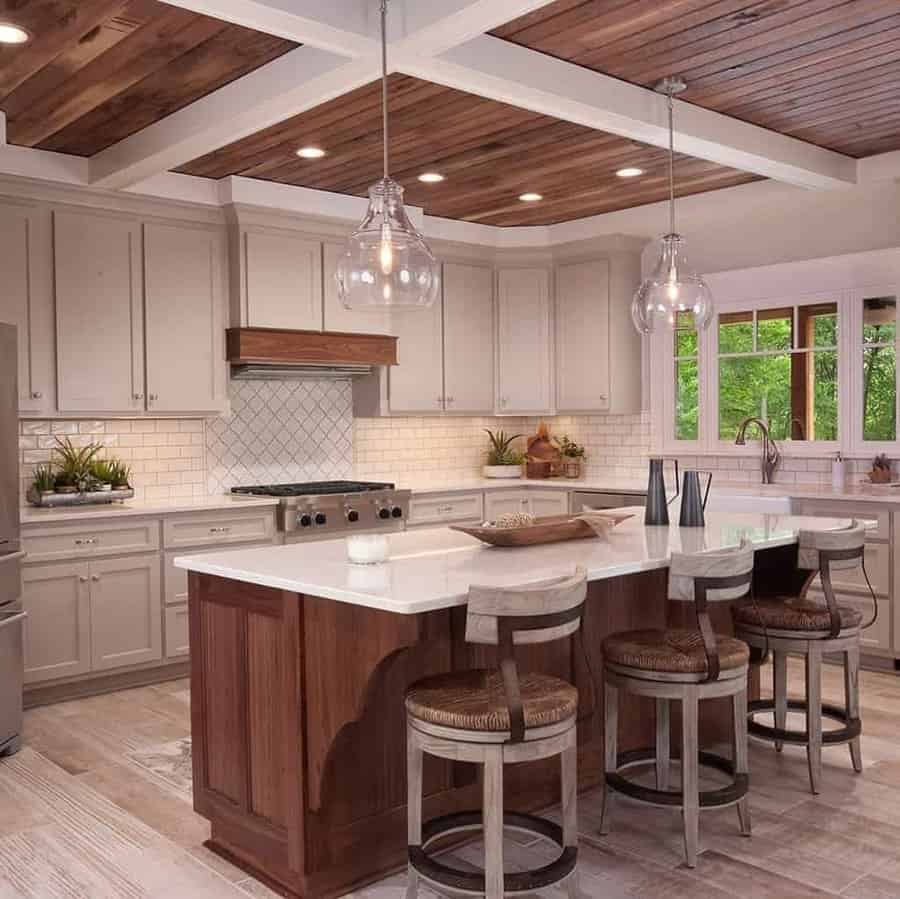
<point>31,515</point>
<point>433,568</point>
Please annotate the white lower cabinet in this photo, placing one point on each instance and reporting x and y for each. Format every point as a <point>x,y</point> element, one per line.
<point>539,503</point>
<point>548,502</point>
<point>57,598</point>
<point>126,625</point>
<point>504,502</point>
<point>445,508</point>
<point>177,631</point>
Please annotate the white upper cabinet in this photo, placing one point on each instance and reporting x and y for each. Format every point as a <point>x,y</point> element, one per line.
<point>417,381</point>
<point>26,299</point>
<point>468,338</point>
<point>99,313</point>
<point>185,292</point>
<point>280,281</point>
<point>582,336</point>
<point>337,316</point>
<point>524,354</point>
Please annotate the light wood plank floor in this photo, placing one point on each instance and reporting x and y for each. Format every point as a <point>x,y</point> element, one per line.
<point>98,806</point>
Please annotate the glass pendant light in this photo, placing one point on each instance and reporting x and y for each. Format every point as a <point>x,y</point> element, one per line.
<point>672,287</point>
<point>387,264</point>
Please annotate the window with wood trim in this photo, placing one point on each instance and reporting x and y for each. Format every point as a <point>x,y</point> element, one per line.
<point>780,365</point>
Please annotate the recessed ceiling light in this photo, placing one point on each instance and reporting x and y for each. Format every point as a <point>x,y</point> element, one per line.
<point>431,177</point>
<point>530,198</point>
<point>12,34</point>
<point>629,172</point>
<point>310,152</point>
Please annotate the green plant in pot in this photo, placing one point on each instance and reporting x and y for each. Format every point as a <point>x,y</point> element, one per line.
<point>573,456</point>
<point>73,468</point>
<point>102,473</point>
<point>119,475</point>
<point>44,480</point>
<point>502,460</point>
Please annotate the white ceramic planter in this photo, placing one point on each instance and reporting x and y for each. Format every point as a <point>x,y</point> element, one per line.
<point>502,471</point>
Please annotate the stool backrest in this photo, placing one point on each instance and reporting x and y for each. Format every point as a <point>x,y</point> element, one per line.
<point>711,577</point>
<point>821,552</point>
<point>536,613</point>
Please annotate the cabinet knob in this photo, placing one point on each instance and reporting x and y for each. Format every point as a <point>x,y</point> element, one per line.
<point>139,396</point>
<point>83,578</point>
<point>153,397</point>
<point>524,502</point>
<point>95,577</point>
<point>37,395</point>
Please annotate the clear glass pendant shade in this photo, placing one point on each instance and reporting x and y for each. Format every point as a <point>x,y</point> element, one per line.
<point>387,263</point>
<point>672,287</point>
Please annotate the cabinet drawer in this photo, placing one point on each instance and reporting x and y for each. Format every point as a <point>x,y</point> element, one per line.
<point>221,529</point>
<point>49,544</point>
<point>176,579</point>
<point>862,511</point>
<point>445,507</point>
<point>877,567</point>
<point>177,642</point>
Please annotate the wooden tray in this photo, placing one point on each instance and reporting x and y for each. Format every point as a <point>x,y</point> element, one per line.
<point>551,529</point>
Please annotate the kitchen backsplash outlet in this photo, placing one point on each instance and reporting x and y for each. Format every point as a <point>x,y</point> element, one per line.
<point>279,432</point>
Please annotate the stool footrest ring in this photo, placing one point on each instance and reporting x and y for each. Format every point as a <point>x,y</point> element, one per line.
<point>727,795</point>
<point>474,882</point>
<point>850,731</point>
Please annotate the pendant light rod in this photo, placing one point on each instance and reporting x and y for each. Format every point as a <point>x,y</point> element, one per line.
<point>670,87</point>
<point>384,85</point>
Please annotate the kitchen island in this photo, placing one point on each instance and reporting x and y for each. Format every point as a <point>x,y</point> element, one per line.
<point>300,660</point>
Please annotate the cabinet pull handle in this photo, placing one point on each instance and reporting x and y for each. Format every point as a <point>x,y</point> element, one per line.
<point>153,397</point>
<point>82,578</point>
<point>444,510</point>
<point>221,530</point>
<point>95,577</point>
<point>139,396</point>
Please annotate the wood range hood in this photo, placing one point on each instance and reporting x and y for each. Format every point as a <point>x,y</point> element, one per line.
<point>281,354</point>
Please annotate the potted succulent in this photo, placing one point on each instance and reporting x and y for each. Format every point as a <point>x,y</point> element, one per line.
<point>119,475</point>
<point>73,473</point>
<point>502,460</point>
<point>44,481</point>
<point>573,455</point>
<point>102,474</point>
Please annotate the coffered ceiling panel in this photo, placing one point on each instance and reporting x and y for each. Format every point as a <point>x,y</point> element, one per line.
<point>96,71</point>
<point>489,153</point>
<point>824,71</point>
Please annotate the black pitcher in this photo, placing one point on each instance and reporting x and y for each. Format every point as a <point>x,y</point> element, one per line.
<point>693,505</point>
<point>657,509</point>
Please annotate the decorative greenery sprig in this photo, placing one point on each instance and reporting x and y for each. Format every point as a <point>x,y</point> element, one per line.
<point>570,449</point>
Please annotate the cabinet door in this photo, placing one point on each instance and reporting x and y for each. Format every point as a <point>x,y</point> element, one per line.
<point>183,277</point>
<point>468,338</point>
<point>523,341</point>
<point>58,626</point>
<point>126,611</point>
<point>501,503</point>
<point>416,383</point>
<point>99,313</point>
<point>548,502</point>
<point>339,318</point>
<point>582,336</point>
<point>282,281</point>
<point>26,300</point>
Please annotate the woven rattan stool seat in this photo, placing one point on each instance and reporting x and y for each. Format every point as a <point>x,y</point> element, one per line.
<point>792,615</point>
<point>475,700</point>
<point>671,651</point>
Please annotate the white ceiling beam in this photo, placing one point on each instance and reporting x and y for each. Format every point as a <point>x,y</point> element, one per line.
<point>339,26</point>
<point>297,81</point>
<point>434,26</point>
<point>499,70</point>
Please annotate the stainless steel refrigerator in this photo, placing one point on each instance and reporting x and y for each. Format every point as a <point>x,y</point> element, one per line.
<point>12,616</point>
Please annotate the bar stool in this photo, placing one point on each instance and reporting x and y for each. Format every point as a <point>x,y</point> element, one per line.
<point>493,718</point>
<point>802,626</point>
<point>686,666</point>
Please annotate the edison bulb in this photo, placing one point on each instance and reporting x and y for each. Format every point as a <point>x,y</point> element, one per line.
<point>386,251</point>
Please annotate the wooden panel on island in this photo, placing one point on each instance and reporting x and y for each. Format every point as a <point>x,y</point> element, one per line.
<point>299,728</point>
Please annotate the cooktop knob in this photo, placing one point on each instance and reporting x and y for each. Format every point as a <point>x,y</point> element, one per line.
<point>352,515</point>
<point>384,513</point>
<point>320,518</point>
<point>397,512</point>
<point>304,520</point>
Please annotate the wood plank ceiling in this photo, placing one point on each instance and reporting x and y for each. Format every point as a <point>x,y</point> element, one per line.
<point>824,71</point>
<point>490,153</point>
<point>97,71</point>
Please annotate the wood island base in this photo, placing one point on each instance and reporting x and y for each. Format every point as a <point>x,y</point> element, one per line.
<point>298,722</point>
